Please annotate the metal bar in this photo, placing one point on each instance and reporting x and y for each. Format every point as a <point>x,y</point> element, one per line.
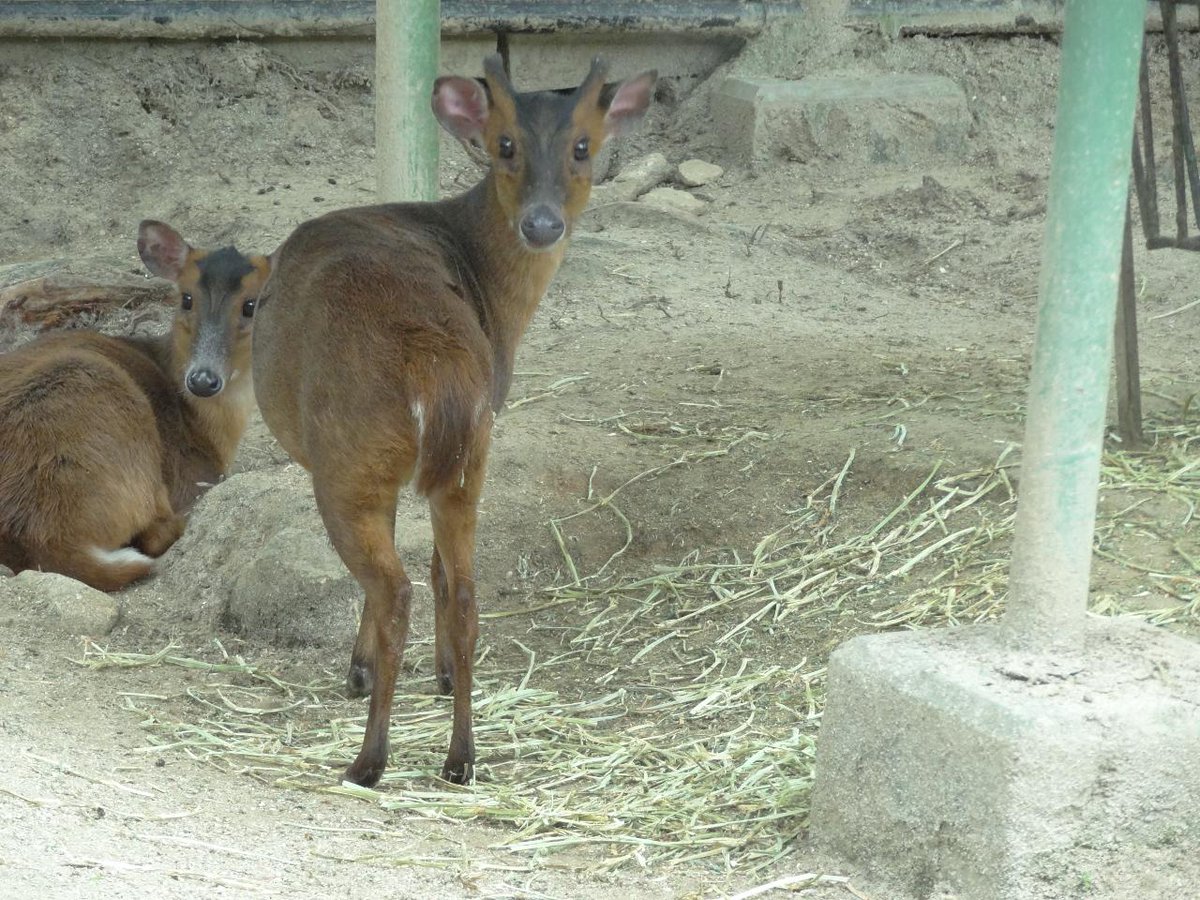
<point>207,19</point>
<point>258,19</point>
<point>1192,242</point>
<point>1129,379</point>
<point>1141,188</point>
<point>1151,223</point>
<point>1179,117</point>
<point>1182,119</point>
<point>963,17</point>
<point>1068,391</point>
<point>406,63</point>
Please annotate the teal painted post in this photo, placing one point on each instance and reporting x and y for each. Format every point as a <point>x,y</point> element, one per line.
<point>1068,391</point>
<point>407,47</point>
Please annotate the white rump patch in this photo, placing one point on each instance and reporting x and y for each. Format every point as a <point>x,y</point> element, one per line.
<point>120,557</point>
<point>418,412</point>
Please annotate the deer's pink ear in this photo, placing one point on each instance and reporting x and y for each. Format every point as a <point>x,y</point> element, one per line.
<point>162,249</point>
<point>461,105</point>
<point>628,103</point>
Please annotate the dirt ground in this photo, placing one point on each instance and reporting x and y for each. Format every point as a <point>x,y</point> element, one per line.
<point>813,310</point>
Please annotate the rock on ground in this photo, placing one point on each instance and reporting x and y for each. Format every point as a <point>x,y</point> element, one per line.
<point>639,176</point>
<point>256,560</point>
<point>697,173</point>
<point>73,607</point>
<point>674,200</point>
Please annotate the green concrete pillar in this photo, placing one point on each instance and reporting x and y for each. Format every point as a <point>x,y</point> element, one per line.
<point>1089,183</point>
<point>407,45</point>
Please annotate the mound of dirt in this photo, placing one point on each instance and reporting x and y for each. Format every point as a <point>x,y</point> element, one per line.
<point>255,560</point>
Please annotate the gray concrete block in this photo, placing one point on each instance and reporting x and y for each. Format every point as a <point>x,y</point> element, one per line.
<point>948,762</point>
<point>869,119</point>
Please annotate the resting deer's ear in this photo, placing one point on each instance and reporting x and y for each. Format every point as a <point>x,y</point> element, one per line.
<point>626,103</point>
<point>162,249</point>
<point>461,106</point>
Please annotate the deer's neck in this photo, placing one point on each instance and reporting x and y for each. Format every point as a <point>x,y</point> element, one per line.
<point>218,423</point>
<point>213,425</point>
<point>510,278</point>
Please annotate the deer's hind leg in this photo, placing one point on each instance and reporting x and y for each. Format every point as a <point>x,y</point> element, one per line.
<point>454,513</point>
<point>359,512</point>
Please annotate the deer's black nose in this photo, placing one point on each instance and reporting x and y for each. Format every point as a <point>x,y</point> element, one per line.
<point>542,227</point>
<point>204,382</point>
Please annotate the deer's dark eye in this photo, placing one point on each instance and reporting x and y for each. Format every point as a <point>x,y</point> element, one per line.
<point>581,149</point>
<point>248,308</point>
<point>506,147</point>
<point>186,301</point>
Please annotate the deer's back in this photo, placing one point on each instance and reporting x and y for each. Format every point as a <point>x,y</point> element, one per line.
<point>381,263</point>
<point>77,423</point>
<point>365,309</point>
<point>78,382</point>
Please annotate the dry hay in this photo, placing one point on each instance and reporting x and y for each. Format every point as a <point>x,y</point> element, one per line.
<point>691,745</point>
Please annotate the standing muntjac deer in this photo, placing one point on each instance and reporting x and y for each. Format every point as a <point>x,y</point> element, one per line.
<point>105,442</point>
<point>385,345</point>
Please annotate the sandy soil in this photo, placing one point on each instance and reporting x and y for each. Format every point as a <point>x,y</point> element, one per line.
<point>812,309</point>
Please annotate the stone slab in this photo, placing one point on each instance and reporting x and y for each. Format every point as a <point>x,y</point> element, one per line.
<point>899,119</point>
<point>949,762</point>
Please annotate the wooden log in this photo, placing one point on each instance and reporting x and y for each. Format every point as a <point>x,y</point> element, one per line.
<point>57,292</point>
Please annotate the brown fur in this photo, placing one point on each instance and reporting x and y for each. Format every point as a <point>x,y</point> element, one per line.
<point>103,448</point>
<point>384,346</point>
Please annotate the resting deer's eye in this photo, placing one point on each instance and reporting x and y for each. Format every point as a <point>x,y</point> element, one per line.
<point>248,308</point>
<point>506,147</point>
<point>186,301</point>
<point>581,149</point>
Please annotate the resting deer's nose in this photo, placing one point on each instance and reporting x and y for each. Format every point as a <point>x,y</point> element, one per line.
<point>204,382</point>
<point>542,227</point>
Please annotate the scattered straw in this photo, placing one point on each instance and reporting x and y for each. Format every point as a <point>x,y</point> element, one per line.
<point>106,782</point>
<point>554,389</point>
<point>1175,312</point>
<point>690,734</point>
<point>119,867</point>
<point>790,883</point>
<point>559,772</point>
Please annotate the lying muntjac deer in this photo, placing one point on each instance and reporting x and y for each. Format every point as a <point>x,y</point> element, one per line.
<point>105,442</point>
<point>385,345</point>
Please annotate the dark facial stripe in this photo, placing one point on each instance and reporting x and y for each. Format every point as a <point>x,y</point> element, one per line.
<point>545,118</point>
<point>545,111</point>
<point>222,271</point>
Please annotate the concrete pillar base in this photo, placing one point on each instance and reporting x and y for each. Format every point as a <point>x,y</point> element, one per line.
<point>948,761</point>
<point>895,119</point>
